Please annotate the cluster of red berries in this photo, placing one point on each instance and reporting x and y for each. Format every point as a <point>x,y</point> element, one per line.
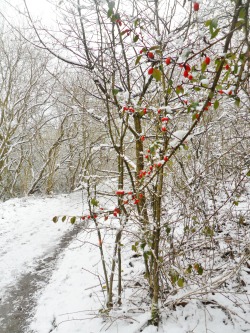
<point>136,199</point>
<point>223,92</point>
<point>130,109</point>
<point>164,122</point>
<point>116,211</point>
<point>119,22</point>
<point>187,70</point>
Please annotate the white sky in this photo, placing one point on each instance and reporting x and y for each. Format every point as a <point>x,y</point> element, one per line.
<point>39,9</point>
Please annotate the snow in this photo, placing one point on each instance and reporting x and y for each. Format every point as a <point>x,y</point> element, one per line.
<point>27,232</point>
<point>73,300</point>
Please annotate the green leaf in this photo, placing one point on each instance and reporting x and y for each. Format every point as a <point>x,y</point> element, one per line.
<point>200,270</point>
<point>248,173</point>
<point>180,282</point>
<point>138,59</point>
<point>135,39</point>
<point>64,218</point>
<point>55,219</point>
<point>134,248</point>
<point>156,74</point>
<point>242,13</point>
<point>179,90</point>
<point>110,12</point>
<point>236,67</point>
<point>214,23</point>
<point>168,229</point>
<point>207,23</point>
<point>225,78</point>
<point>215,33</point>
<point>115,91</point>
<point>155,47</point>
<point>111,4</point>
<point>136,22</point>
<point>94,202</point>
<point>189,269</point>
<point>236,203</point>
<point>216,104</point>
<point>73,220</point>
<point>115,17</point>
<point>237,101</point>
<point>203,67</point>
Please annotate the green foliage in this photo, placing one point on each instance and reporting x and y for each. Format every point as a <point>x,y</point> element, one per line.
<point>55,219</point>
<point>216,104</point>
<point>138,59</point>
<point>73,219</point>
<point>157,74</point>
<point>94,202</point>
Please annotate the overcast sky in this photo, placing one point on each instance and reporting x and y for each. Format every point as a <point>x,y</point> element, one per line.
<point>38,8</point>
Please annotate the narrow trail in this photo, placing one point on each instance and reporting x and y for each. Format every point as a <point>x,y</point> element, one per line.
<point>16,310</point>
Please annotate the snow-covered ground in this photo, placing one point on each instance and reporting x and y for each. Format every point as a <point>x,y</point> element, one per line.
<point>27,232</point>
<point>73,299</point>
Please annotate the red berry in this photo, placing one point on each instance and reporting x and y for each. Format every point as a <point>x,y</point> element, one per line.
<point>185,74</point>
<point>190,77</point>
<point>150,71</point>
<point>151,167</point>
<point>119,22</point>
<point>221,92</point>
<point>163,129</point>
<point>159,111</point>
<point>144,111</point>
<point>146,156</point>
<point>120,192</point>
<point>83,217</point>
<point>159,164</point>
<point>230,92</point>
<point>150,55</point>
<point>197,116</point>
<point>207,60</point>
<point>187,67</point>
<point>168,61</point>
<point>131,109</point>
<point>165,158</point>
<point>142,137</point>
<point>196,6</point>
<point>164,119</point>
<point>141,51</point>
<point>227,67</point>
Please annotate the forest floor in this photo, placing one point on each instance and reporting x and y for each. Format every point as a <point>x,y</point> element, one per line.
<point>51,280</point>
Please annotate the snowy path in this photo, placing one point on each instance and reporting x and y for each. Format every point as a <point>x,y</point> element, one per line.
<point>30,243</point>
<point>16,309</point>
